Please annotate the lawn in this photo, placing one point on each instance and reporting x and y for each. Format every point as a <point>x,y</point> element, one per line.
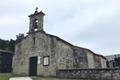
<point>49,78</point>
<point>6,76</point>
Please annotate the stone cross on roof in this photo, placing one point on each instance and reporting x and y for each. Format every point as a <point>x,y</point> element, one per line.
<point>36,10</point>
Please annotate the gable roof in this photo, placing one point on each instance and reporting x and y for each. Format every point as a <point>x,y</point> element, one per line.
<point>58,38</point>
<point>76,46</point>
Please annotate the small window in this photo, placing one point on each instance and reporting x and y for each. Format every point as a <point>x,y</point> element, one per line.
<point>33,41</point>
<point>46,61</point>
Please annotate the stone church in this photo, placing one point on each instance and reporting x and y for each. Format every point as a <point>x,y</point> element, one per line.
<point>42,54</point>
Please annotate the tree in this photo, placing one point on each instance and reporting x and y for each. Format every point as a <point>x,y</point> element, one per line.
<point>117,62</point>
<point>7,44</point>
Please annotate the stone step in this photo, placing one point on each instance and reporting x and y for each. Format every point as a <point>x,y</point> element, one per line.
<point>20,78</point>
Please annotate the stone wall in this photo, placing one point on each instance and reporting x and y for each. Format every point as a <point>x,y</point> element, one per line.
<point>44,46</point>
<point>103,63</point>
<point>62,55</point>
<point>97,61</point>
<point>90,58</point>
<point>90,74</point>
<point>80,58</point>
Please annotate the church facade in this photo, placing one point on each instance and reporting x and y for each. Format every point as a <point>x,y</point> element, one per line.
<point>40,53</point>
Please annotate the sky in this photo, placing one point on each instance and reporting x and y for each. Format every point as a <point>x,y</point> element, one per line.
<point>93,24</point>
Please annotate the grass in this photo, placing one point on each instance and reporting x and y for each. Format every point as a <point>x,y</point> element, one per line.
<point>50,78</point>
<point>44,78</point>
<point>6,76</point>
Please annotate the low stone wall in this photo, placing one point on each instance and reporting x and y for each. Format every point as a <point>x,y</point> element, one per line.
<point>90,74</point>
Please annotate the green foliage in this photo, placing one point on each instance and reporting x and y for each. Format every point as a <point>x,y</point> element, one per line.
<point>11,45</point>
<point>5,76</point>
<point>7,44</point>
<point>19,37</point>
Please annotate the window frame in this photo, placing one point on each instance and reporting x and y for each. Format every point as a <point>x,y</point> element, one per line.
<point>48,60</point>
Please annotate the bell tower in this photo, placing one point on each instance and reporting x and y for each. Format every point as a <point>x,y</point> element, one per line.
<point>36,21</point>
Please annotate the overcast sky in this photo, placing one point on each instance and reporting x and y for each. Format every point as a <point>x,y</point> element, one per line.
<point>93,24</point>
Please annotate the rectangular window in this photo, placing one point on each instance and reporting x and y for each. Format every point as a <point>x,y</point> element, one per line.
<point>33,40</point>
<point>46,61</point>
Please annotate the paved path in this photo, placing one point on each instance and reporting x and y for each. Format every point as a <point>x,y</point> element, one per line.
<point>20,78</point>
